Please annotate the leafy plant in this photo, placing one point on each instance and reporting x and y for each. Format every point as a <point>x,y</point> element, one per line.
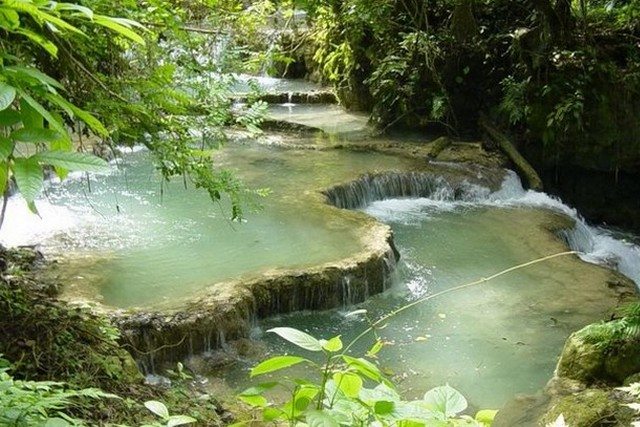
<point>33,134</point>
<point>28,403</point>
<point>160,410</point>
<point>350,391</point>
<point>606,333</point>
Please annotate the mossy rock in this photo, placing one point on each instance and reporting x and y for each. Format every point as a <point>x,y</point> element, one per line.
<point>588,357</point>
<point>581,360</point>
<point>590,407</point>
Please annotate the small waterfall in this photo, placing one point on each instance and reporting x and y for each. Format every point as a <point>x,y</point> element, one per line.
<point>347,292</point>
<point>371,187</point>
<point>596,245</point>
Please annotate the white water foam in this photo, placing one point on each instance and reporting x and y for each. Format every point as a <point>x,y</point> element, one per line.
<point>596,245</point>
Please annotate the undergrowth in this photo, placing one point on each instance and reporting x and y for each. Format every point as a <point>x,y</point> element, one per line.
<point>65,363</point>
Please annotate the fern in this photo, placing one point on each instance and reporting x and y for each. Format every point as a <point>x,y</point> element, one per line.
<point>605,334</point>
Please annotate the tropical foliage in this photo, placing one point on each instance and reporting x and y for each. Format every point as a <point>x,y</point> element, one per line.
<point>564,75</point>
<point>349,391</point>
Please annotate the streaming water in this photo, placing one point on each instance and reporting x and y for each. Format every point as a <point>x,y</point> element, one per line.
<point>494,341</point>
<point>128,245</point>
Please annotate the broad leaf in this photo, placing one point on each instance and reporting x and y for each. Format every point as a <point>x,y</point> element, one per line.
<point>40,40</point>
<point>381,392</point>
<point>349,383</point>
<point>9,117</point>
<point>364,367</point>
<point>275,364</point>
<point>35,135</point>
<point>180,420</point>
<point>73,161</point>
<point>255,400</point>
<point>382,407</point>
<point>299,338</point>
<point>118,27</point>
<point>43,112</point>
<point>6,148</point>
<point>321,419</point>
<point>157,408</point>
<point>35,74</point>
<point>7,95</point>
<point>333,345</point>
<point>28,175</point>
<point>29,116</point>
<point>486,416</point>
<point>446,400</point>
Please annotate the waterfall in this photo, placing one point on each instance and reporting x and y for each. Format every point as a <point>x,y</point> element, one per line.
<point>371,187</point>
<point>595,244</point>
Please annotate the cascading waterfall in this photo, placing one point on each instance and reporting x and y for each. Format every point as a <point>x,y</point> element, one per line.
<point>371,187</point>
<point>597,245</point>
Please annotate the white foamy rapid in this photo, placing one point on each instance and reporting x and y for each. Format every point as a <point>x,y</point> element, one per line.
<point>597,245</point>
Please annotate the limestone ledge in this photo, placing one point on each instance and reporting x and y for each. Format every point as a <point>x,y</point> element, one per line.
<point>225,311</point>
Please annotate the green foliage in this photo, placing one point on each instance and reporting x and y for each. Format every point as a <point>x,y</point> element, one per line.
<point>29,403</point>
<point>33,135</point>
<point>160,410</point>
<point>151,84</point>
<point>349,391</point>
<point>606,334</point>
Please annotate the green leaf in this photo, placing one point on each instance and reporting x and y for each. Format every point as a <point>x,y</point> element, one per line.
<point>40,40</point>
<point>29,116</point>
<point>381,392</point>
<point>4,176</point>
<point>118,27</point>
<point>256,401</point>
<point>35,135</point>
<point>9,117</point>
<point>9,19</point>
<point>157,408</point>
<point>56,422</point>
<point>28,175</point>
<point>320,419</point>
<point>271,414</point>
<point>382,407</point>
<point>35,74</point>
<point>375,349</point>
<point>90,120</point>
<point>299,338</point>
<point>6,148</point>
<point>349,383</point>
<point>486,416</point>
<point>333,345</point>
<point>43,112</point>
<point>7,95</point>
<point>275,364</point>
<point>180,420</point>
<point>73,161</point>
<point>445,399</point>
<point>364,367</point>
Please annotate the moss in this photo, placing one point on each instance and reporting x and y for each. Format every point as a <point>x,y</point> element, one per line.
<point>580,360</point>
<point>591,355</point>
<point>591,407</point>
